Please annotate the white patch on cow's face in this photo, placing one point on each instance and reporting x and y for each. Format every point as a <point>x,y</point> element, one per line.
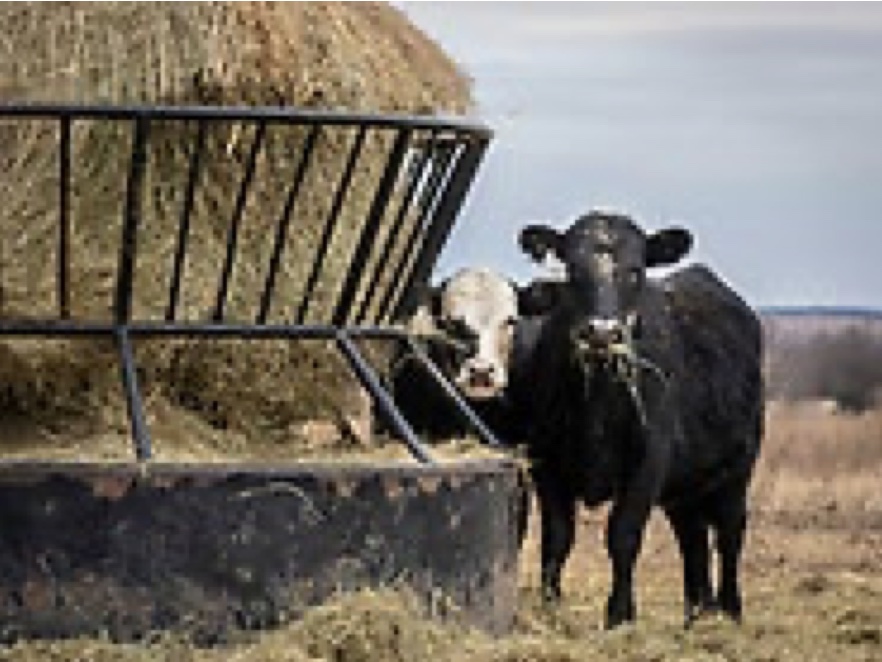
<point>605,265</point>
<point>603,234</point>
<point>485,303</point>
<point>604,260</point>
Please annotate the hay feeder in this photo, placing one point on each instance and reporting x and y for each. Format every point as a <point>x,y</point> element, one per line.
<point>241,225</point>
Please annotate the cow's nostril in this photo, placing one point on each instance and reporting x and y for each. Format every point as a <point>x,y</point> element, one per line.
<point>482,377</point>
<point>585,334</point>
<point>599,334</point>
<point>488,371</point>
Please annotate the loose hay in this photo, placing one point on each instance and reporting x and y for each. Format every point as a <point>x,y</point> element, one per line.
<point>204,398</point>
<point>844,623</point>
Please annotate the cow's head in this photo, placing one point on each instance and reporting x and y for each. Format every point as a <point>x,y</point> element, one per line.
<point>606,257</point>
<point>473,315</point>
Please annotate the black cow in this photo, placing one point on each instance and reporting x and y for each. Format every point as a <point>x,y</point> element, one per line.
<point>642,394</point>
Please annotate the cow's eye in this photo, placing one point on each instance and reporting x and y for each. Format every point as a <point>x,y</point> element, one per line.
<point>458,328</point>
<point>450,326</point>
<point>464,339</point>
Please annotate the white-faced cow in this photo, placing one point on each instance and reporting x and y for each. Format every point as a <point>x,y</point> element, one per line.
<point>468,326</point>
<point>641,393</point>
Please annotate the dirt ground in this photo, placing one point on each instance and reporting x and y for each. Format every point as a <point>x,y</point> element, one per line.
<point>812,591</point>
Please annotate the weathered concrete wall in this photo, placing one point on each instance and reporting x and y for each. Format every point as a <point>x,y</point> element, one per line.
<point>87,549</point>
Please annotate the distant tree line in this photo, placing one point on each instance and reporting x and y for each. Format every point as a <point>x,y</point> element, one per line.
<point>843,366</point>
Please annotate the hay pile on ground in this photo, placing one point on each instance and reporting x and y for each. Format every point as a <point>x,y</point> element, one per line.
<point>354,56</point>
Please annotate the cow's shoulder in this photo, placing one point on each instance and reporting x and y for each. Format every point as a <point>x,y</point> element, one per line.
<point>698,297</point>
<point>697,286</point>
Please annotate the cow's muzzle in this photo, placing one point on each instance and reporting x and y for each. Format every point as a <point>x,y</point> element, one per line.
<point>598,338</point>
<point>609,344</point>
<point>480,380</point>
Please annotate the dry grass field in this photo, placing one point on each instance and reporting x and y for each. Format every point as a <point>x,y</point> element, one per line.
<point>812,582</point>
<point>823,464</point>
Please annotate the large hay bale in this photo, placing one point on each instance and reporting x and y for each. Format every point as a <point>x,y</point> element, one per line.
<point>357,56</point>
<point>354,56</point>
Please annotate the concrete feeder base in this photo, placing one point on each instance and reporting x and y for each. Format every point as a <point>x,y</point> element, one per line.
<point>209,549</point>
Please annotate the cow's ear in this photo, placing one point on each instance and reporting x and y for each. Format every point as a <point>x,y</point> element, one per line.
<point>422,322</point>
<point>538,298</point>
<point>427,298</point>
<point>537,241</point>
<point>667,246</point>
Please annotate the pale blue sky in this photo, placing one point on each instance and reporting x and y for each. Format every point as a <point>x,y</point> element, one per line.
<point>756,125</point>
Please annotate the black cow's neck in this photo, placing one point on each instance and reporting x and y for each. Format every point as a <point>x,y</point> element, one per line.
<point>596,449</point>
<point>605,402</point>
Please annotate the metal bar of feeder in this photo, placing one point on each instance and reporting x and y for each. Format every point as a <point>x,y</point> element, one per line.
<point>371,227</point>
<point>435,164</point>
<point>285,222</point>
<point>131,220</point>
<point>423,162</point>
<point>125,278</point>
<point>426,197</point>
<point>236,221</point>
<point>53,328</point>
<point>462,407</point>
<point>59,328</point>
<point>438,232</point>
<point>396,334</point>
<point>243,331</point>
<point>64,218</point>
<point>269,114</point>
<point>134,401</point>
<point>194,169</point>
<point>387,409</point>
<point>331,223</point>
<point>386,333</point>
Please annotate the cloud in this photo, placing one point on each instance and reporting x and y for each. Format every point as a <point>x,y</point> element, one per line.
<point>515,25</point>
<point>756,123</point>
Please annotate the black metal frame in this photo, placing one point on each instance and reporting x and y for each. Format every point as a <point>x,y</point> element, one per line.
<point>444,157</point>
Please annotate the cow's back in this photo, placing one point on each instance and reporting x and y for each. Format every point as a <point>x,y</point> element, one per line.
<point>721,389</point>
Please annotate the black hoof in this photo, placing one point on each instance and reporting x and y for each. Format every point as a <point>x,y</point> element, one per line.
<point>619,613</point>
<point>551,595</point>
<point>697,610</point>
<point>734,613</point>
<point>731,607</point>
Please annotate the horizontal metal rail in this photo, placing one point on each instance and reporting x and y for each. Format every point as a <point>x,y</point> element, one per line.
<point>195,329</point>
<point>268,114</point>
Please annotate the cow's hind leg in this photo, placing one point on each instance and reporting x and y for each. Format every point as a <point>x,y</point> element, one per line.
<point>691,531</point>
<point>731,523</point>
<point>557,508</point>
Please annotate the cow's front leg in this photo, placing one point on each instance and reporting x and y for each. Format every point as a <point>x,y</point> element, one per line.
<point>624,534</point>
<point>624,537</point>
<point>557,508</point>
